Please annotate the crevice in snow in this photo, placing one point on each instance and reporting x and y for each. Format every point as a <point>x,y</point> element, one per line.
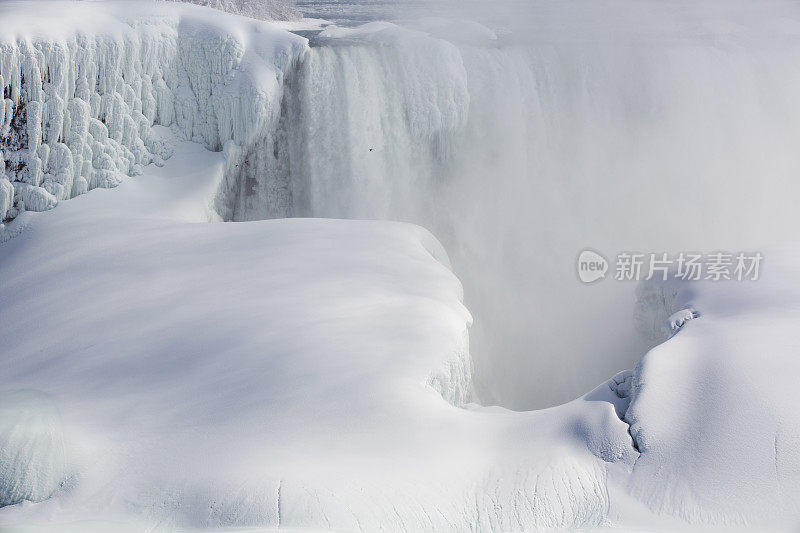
<point>620,387</point>
<point>278,502</point>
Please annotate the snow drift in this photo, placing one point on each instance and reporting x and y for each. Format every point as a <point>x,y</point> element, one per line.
<point>713,413</point>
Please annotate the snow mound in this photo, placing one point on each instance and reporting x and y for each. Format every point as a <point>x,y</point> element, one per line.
<point>32,450</point>
<point>714,410</point>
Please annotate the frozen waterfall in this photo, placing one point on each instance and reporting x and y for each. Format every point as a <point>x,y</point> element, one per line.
<point>517,148</point>
<point>518,154</point>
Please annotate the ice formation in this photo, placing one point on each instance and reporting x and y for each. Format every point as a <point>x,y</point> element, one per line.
<point>33,457</point>
<point>77,108</point>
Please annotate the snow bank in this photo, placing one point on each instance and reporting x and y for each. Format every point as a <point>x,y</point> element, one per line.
<point>83,83</point>
<point>714,410</point>
<point>284,373</point>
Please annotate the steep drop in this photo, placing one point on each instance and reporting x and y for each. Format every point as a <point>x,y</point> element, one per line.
<point>519,153</point>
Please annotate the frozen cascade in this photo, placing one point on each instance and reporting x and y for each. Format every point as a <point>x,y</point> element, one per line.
<point>491,143</point>
<point>77,110</point>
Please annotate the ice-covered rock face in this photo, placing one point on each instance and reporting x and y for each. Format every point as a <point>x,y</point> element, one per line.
<point>77,109</point>
<point>32,449</point>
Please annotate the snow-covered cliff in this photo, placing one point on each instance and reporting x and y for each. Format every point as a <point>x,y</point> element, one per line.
<point>80,96</point>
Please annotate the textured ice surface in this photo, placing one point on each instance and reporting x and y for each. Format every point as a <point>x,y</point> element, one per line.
<point>83,85</point>
<point>33,460</point>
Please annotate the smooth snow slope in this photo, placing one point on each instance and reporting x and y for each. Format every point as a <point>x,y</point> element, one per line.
<point>715,409</point>
<point>293,372</point>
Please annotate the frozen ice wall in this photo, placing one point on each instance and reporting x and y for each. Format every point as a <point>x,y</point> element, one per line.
<point>77,106</point>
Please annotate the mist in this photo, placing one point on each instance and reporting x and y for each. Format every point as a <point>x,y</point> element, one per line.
<point>523,133</point>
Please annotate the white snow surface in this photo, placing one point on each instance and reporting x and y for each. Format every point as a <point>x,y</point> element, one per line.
<point>161,372</point>
<point>293,373</point>
<point>715,410</point>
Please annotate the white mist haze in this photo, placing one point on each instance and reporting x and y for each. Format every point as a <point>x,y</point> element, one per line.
<point>620,127</point>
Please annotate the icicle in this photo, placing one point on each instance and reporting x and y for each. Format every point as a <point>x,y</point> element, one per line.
<point>6,197</point>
